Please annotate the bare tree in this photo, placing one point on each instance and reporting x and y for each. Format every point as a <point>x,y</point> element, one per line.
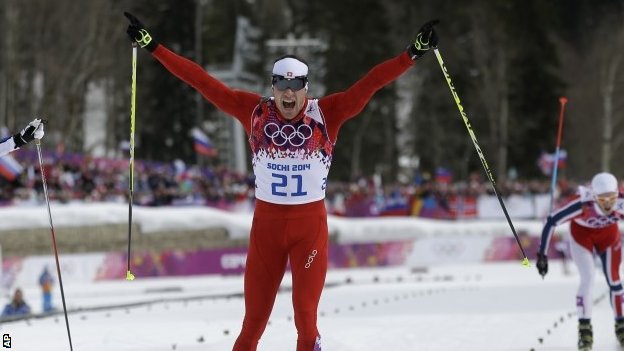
<point>608,57</point>
<point>8,62</point>
<point>491,60</point>
<point>51,52</point>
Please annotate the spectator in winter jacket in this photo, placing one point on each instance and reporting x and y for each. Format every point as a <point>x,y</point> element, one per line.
<point>17,306</point>
<point>46,281</point>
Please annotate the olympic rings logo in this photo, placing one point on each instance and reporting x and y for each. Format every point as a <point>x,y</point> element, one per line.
<point>288,134</point>
<point>600,222</point>
<point>447,248</point>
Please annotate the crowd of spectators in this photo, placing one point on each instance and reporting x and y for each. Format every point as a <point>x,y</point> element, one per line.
<point>76,177</point>
<point>430,197</point>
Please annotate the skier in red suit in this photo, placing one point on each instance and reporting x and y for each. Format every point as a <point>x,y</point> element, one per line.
<point>292,137</point>
<point>594,216</point>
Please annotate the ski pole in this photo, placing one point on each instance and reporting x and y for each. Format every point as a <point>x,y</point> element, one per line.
<point>129,275</point>
<point>58,266</point>
<point>488,172</point>
<point>562,100</point>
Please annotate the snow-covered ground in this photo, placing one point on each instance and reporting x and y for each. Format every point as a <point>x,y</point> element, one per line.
<point>456,303</point>
<point>497,306</point>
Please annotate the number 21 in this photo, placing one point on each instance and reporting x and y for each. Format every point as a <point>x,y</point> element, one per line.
<point>283,182</point>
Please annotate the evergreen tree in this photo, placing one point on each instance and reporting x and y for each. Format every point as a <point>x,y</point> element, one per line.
<point>166,107</point>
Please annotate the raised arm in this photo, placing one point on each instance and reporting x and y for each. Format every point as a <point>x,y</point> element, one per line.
<point>341,106</point>
<point>237,103</point>
<point>346,104</point>
<point>34,130</point>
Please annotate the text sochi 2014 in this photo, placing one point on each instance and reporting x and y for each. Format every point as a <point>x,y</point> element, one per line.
<point>288,168</point>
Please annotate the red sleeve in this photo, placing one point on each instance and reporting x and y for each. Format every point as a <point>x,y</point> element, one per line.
<point>339,107</point>
<point>237,103</point>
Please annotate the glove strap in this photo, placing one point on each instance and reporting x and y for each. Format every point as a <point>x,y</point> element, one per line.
<point>145,39</point>
<point>413,52</point>
<point>18,140</point>
<point>420,43</point>
<point>419,47</point>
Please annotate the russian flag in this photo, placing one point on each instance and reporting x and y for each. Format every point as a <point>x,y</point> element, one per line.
<point>443,175</point>
<point>202,144</point>
<point>546,161</point>
<point>10,168</point>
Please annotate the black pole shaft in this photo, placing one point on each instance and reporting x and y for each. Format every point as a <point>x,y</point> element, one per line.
<point>473,137</point>
<point>129,227</point>
<point>58,265</point>
<point>129,275</point>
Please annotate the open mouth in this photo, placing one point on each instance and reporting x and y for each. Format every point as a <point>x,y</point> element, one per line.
<point>288,104</point>
<point>607,208</point>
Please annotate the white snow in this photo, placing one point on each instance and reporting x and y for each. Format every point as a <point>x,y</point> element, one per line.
<point>447,306</point>
<point>498,307</point>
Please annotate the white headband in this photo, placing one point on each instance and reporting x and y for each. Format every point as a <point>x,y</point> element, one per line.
<point>289,67</point>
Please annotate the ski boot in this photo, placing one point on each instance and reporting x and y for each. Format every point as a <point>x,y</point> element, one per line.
<point>619,331</point>
<point>585,335</point>
<point>317,344</point>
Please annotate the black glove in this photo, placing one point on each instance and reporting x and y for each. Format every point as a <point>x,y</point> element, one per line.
<point>425,40</point>
<point>137,33</point>
<point>542,264</point>
<point>33,130</point>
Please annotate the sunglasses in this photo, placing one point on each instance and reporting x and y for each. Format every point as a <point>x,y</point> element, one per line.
<point>295,84</point>
<point>606,197</point>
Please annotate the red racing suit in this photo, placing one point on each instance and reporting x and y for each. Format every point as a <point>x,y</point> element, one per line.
<point>291,159</point>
